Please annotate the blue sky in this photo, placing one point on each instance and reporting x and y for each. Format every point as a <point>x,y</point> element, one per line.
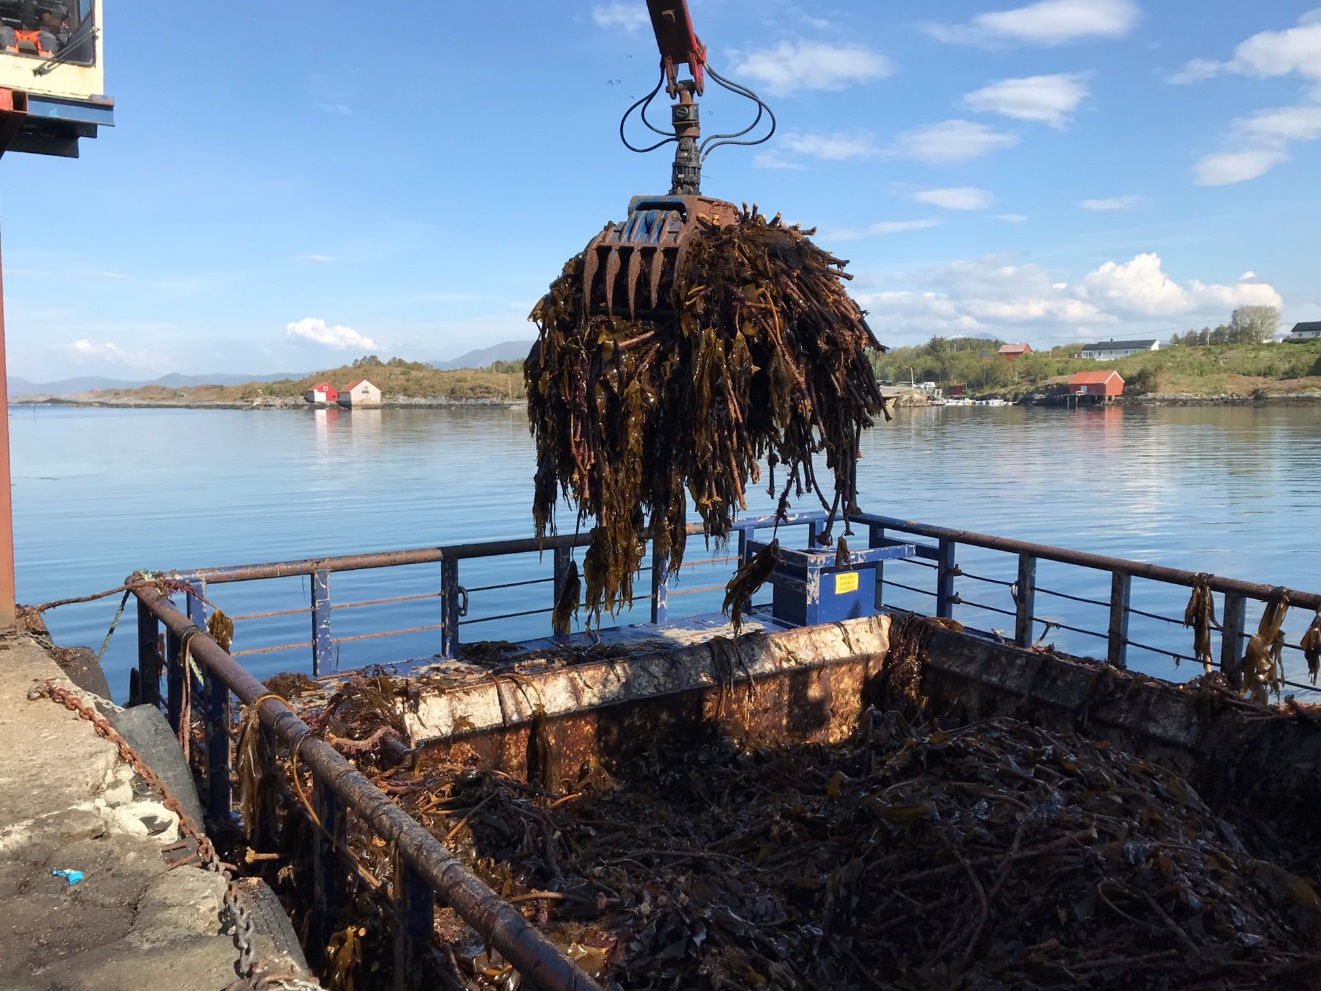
<point>290,186</point>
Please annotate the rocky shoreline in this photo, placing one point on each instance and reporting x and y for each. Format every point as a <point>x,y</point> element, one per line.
<point>441,402</point>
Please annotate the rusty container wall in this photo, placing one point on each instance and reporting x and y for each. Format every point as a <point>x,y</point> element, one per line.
<point>811,685</point>
<point>795,686</point>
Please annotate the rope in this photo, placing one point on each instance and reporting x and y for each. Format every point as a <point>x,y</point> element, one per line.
<point>113,623</point>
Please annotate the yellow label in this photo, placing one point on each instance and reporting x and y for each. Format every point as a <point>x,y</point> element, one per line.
<point>846,581</point>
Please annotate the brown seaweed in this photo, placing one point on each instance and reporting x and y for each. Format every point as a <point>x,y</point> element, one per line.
<point>751,576</point>
<point>760,356</point>
<point>996,854</point>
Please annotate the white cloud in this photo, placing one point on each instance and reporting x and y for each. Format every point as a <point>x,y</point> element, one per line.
<point>1247,275</point>
<point>1041,99</point>
<point>110,352</point>
<point>995,295</point>
<point>1011,218</point>
<point>833,147</point>
<point>1276,128</point>
<point>1260,141</point>
<point>631,17</point>
<point>953,141</point>
<point>1225,168</point>
<point>957,198</point>
<point>1264,138</point>
<point>1050,22</point>
<point>1141,286</point>
<point>774,160</point>
<point>1216,297</point>
<point>881,229</point>
<point>106,275</point>
<point>337,337</point>
<point>316,259</point>
<point>1114,203</point>
<point>811,65</point>
<point>339,109</point>
<point>1268,53</point>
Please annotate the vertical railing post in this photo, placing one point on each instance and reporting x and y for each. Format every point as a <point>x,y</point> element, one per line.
<point>149,657</point>
<point>1025,600</point>
<point>1121,585</point>
<point>174,679</point>
<point>945,578</point>
<point>449,599</point>
<point>563,558</point>
<point>415,906</point>
<point>215,710</point>
<point>875,539</point>
<point>1231,639</point>
<point>322,645</point>
<point>660,588</point>
<point>327,872</point>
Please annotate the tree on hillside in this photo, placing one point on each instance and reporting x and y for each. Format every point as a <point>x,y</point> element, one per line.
<point>1254,324</point>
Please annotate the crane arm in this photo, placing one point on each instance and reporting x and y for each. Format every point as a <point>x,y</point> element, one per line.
<point>678,42</point>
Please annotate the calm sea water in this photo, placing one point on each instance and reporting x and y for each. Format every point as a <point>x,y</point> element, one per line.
<point>101,493</point>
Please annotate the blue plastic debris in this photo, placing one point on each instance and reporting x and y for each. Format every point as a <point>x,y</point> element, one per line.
<point>73,877</point>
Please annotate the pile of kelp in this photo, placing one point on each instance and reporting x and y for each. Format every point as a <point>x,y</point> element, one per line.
<point>761,357</point>
<point>997,855</point>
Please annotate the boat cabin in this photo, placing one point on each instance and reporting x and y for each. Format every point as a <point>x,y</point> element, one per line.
<point>52,80</point>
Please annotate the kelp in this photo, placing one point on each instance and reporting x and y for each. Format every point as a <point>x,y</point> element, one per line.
<point>1263,671</point>
<point>1200,615</point>
<point>751,576</point>
<point>1311,644</point>
<point>760,357</point>
<point>992,855</point>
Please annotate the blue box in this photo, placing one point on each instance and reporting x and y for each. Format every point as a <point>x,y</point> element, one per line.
<point>813,587</point>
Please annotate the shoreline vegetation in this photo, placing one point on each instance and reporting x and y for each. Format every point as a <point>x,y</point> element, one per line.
<point>1228,374</point>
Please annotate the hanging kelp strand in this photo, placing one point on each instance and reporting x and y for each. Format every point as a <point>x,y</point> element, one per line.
<point>758,355</point>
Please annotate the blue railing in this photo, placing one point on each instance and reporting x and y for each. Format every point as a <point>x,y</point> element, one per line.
<point>1030,590</point>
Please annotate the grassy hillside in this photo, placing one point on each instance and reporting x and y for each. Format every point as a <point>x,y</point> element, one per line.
<point>397,379</point>
<point>1230,369</point>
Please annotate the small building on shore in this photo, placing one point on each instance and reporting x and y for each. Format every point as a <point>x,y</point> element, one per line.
<point>1305,332</point>
<point>1103,385</point>
<point>1011,351</point>
<point>323,393</point>
<point>1110,350</point>
<point>360,393</point>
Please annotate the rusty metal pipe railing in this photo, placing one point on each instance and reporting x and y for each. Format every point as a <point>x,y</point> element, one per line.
<point>498,922</point>
<point>1099,562</point>
<point>429,555</point>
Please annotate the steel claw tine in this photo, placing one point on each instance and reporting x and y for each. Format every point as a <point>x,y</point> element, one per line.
<point>634,270</point>
<point>611,274</point>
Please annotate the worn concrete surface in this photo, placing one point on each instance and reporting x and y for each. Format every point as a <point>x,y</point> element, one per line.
<point>67,801</point>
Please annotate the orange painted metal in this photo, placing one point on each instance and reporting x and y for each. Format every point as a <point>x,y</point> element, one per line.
<point>7,607</point>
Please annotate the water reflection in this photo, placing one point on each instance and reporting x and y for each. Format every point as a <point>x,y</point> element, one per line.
<point>100,493</point>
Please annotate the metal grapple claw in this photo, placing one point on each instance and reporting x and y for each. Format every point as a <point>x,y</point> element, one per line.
<point>652,240</point>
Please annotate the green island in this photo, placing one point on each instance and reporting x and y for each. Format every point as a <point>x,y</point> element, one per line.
<point>1183,371</point>
<point>401,383</point>
<point>1211,372</point>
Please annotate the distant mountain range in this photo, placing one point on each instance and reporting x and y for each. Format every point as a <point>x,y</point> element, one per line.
<point>482,357</point>
<point>19,387</point>
<point>74,386</point>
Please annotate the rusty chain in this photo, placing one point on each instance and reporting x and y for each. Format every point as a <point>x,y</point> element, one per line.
<point>237,905</point>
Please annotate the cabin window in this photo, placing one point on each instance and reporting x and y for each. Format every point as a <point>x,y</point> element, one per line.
<point>62,31</point>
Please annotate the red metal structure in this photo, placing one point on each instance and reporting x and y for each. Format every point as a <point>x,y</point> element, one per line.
<point>629,267</point>
<point>1105,384</point>
<point>51,78</point>
<point>678,43</point>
